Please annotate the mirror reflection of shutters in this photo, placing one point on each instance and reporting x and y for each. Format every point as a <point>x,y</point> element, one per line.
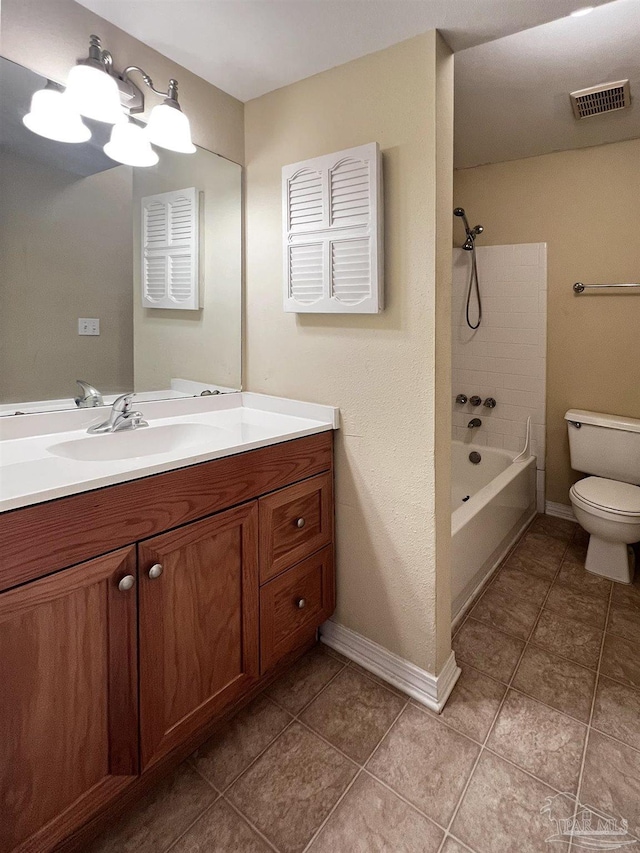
<point>332,211</point>
<point>170,250</point>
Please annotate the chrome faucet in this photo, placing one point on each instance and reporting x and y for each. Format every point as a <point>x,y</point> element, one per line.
<point>88,396</point>
<point>474,422</point>
<point>120,417</point>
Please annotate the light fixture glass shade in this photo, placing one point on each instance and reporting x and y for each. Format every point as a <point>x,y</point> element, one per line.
<point>52,117</point>
<point>94,94</point>
<point>129,145</point>
<point>169,128</point>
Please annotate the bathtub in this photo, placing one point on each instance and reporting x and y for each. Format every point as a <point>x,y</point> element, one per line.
<point>491,503</point>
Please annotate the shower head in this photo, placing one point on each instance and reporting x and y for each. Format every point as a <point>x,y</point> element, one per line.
<point>471,233</point>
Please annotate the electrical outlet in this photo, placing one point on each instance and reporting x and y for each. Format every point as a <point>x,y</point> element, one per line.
<point>88,326</point>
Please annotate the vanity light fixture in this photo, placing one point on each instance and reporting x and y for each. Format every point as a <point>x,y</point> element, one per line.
<point>51,116</point>
<point>97,91</point>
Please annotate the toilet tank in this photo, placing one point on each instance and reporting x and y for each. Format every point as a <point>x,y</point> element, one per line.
<point>604,445</point>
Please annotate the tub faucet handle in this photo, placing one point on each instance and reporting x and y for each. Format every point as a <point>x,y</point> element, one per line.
<point>490,403</point>
<point>462,399</point>
<point>475,400</point>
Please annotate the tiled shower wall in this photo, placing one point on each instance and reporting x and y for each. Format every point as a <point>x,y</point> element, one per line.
<point>505,357</point>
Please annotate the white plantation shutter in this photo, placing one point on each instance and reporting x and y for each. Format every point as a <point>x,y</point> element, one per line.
<point>170,250</point>
<point>333,233</point>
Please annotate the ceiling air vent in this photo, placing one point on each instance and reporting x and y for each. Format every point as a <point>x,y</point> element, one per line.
<point>601,99</point>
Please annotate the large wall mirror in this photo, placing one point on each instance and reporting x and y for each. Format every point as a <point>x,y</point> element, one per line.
<point>74,246</point>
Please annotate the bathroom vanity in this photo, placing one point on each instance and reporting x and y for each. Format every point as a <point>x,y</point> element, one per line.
<point>137,615</point>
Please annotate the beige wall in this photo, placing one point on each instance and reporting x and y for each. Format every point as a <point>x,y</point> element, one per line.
<point>49,36</point>
<point>64,256</point>
<point>380,370</point>
<point>585,205</point>
<point>205,345</point>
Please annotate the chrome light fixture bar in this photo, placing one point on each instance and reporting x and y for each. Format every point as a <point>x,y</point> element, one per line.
<point>95,90</point>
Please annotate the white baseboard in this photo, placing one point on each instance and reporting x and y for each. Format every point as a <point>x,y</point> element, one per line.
<point>432,691</point>
<point>559,510</point>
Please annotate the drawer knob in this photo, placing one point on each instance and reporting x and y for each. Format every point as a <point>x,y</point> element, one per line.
<point>155,571</point>
<point>126,583</point>
<point>301,603</point>
<point>300,522</point>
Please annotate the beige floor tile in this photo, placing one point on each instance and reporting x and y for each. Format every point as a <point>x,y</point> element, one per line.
<point>521,583</point>
<point>292,787</point>
<point>488,650</point>
<point>230,751</point>
<point>628,594</point>
<point>624,621</point>
<point>617,711</point>
<point>371,819</point>
<point>620,660</point>
<point>539,555</point>
<point>425,762</point>
<point>514,616</point>
<point>568,638</point>
<point>611,780</point>
<point>501,810</point>
<point>377,679</point>
<point>577,548</point>
<point>221,830</point>
<point>575,576</point>
<point>540,740</point>
<point>560,683</point>
<point>473,704</point>
<point>577,604</point>
<point>559,528</point>
<point>302,683</point>
<point>353,713</point>
<point>161,817</point>
<point>453,846</point>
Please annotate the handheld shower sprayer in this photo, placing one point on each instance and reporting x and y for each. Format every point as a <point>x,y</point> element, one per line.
<point>469,245</point>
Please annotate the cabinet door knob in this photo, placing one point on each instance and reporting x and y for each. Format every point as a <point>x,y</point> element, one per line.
<point>301,603</point>
<point>155,571</point>
<point>126,583</point>
<point>300,522</point>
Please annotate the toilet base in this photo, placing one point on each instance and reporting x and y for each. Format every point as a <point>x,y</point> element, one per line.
<point>612,560</point>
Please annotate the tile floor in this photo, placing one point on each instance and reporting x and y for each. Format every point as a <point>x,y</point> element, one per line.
<point>331,759</point>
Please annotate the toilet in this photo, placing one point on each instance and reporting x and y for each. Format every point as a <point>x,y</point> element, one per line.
<point>607,503</point>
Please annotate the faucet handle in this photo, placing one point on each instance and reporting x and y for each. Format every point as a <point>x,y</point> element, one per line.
<point>490,403</point>
<point>475,400</point>
<point>462,399</point>
<point>123,402</point>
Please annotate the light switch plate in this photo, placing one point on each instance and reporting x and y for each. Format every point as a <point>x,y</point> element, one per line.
<point>88,326</point>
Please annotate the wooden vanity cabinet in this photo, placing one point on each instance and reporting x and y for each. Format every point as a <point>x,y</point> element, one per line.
<point>111,667</point>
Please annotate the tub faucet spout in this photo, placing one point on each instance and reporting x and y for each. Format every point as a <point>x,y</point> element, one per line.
<point>474,422</point>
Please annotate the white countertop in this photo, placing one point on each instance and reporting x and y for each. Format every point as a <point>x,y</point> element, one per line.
<point>32,469</point>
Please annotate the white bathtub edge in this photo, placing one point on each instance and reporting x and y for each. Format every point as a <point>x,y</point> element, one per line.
<point>489,569</point>
<point>426,688</point>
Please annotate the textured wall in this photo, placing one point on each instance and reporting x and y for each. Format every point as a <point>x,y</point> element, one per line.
<point>380,370</point>
<point>585,206</point>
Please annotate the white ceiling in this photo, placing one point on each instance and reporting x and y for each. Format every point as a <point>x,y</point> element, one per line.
<point>512,95</point>
<point>249,47</point>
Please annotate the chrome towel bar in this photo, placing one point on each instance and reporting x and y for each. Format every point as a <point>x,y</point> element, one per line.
<point>579,287</point>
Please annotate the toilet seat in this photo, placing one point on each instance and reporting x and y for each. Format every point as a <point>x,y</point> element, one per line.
<point>611,497</point>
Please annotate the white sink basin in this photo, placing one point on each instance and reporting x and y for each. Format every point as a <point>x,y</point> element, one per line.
<point>130,444</point>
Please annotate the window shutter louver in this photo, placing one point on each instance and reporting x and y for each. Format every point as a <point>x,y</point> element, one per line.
<point>170,250</point>
<point>332,212</point>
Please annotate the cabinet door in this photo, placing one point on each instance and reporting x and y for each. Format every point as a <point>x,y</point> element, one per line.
<point>68,702</point>
<point>198,625</point>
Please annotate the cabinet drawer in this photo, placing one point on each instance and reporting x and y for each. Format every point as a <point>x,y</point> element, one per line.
<point>294,604</point>
<point>294,523</point>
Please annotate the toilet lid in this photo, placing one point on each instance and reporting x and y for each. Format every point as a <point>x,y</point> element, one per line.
<point>622,498</point>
